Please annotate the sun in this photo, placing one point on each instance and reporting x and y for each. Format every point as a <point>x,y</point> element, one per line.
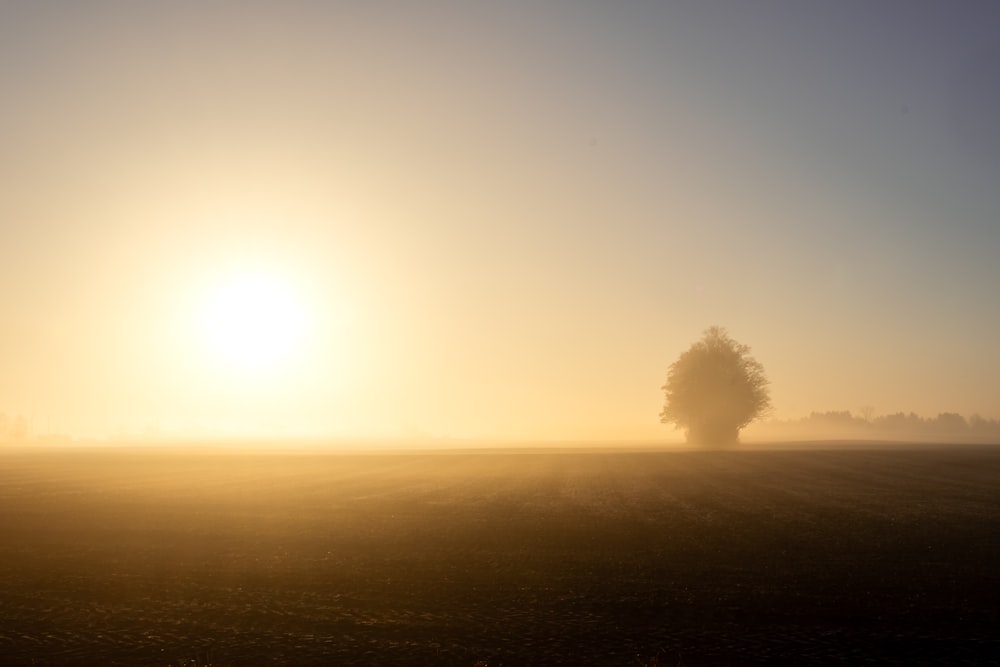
<point>253,322</point>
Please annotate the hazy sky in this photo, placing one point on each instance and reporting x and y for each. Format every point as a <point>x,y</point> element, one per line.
<point>494,219</point>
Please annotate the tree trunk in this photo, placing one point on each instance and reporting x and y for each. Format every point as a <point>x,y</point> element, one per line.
<point>713,435</point>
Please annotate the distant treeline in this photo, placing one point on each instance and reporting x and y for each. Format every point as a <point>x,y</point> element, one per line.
<point>835,425</point>
<point>832,425</point>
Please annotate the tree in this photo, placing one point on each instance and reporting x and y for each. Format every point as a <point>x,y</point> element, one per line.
<point>715,389</point>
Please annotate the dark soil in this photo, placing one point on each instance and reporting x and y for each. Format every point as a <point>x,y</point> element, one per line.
<point>878,556</point>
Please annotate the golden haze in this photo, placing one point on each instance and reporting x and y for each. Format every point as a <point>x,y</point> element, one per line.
<point>477,222</point>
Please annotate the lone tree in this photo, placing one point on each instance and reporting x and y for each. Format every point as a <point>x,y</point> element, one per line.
<point>715,389</point>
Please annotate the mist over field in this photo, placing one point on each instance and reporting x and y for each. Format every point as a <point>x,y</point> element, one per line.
<point>499,557</point>
<point>499,334</point>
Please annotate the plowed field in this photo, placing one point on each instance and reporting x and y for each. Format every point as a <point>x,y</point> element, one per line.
<point>519,557</point>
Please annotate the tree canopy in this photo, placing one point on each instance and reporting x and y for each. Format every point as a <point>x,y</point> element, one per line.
<point>714,389</point>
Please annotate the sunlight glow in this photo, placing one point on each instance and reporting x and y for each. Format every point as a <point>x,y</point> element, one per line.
<point>253,322</point>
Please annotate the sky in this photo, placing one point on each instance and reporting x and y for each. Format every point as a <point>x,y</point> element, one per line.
<point>491,220</point>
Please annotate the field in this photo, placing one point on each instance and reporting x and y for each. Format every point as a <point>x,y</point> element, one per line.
<point>165,557</point>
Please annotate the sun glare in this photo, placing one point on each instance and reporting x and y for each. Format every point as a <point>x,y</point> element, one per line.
<point>253,322</point>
